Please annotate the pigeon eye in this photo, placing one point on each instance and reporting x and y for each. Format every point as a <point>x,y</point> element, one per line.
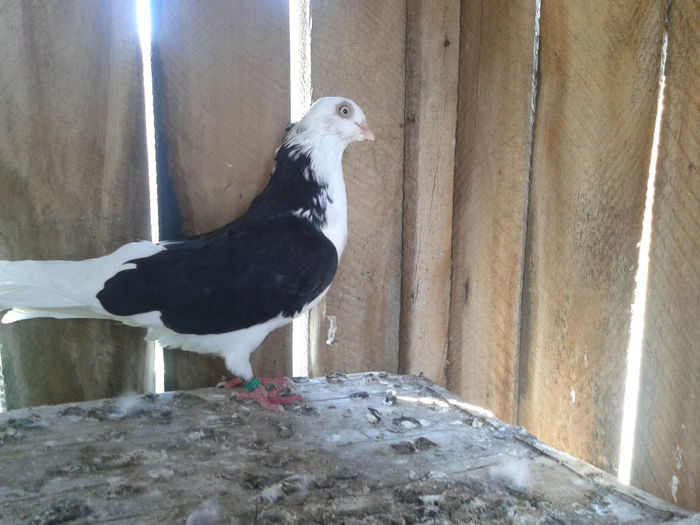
<point>344,110</point>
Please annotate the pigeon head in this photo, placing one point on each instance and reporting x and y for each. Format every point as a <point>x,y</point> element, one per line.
<point>336,117</point>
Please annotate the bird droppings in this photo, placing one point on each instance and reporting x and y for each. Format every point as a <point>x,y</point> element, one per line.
<point>295,484</point>
<point>343,473</point>
<point>423,443</point>
<point>674,487</point>
<point>258,482</point>
<point>406,423</point>
<point>10,435</point>
<point>359,395</point>
<point>160,473</point>
<point>64,510</point>
<point>126,491</point>
<point>304,410</point>
<point>332,340</point>
<point>72,410</point>
<point>390,397</point>
<point>373,415</point>
<point>203,457</point>
<point>97,459</point>
<point>285,429</point>
<point>31,422</point>
<point>183,400</point>
<point>336,378</point>
<point>404,447</point>
<point>408,447</point>
<point>259,444</point>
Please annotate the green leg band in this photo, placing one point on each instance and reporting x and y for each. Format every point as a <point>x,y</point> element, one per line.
<point>252,384</point>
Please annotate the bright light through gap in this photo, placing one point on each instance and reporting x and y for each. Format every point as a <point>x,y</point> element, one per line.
<point>3,405</point>
<point>300,100</point>
<point>143,17</point>
<point>634,350</point>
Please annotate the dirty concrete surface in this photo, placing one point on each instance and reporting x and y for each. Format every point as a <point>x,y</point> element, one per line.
<point>363,448</point>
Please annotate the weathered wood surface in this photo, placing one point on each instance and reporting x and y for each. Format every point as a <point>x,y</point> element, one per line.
<point>432,58</point>
<point>667,449</point>
<point>73,176</point>
<point>357,50</point>
<point>221,77</point>
<point>187,456</point>
<point>490,186</point>
<point>599,68</point>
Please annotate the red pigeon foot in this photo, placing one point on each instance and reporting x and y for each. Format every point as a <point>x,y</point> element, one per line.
<point>237,381</point>
<point>270,399</point>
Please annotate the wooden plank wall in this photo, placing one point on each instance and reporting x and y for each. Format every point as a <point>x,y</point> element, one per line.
<point>221,71</point>
<point>74,184</point>
<point>666,451</point>
<point>432,58</point>
<point>599,66</point>
<point>540,335</point>
<point>490,200</point>
<point>357,50</point>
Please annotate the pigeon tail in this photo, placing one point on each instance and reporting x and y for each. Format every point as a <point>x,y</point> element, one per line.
<point>62,289</point>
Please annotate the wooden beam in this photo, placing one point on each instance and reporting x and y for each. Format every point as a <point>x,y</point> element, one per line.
<point>490,200</point>
<point>599,71</point>
<point>73,175</point>
<point>357,50</point>
<point>432,58</point>
<point>221,76</point>
<point>667,451</point>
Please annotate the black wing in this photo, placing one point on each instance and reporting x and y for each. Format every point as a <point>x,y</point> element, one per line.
<point>243,275</point>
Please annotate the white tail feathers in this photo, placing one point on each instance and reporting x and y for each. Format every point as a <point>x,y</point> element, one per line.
<point>20,314</point>
<point>63,289</point>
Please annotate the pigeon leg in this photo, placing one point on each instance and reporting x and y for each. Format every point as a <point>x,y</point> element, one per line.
<point>237,381</point>
<point>230,383</point>
<point>270,400</point>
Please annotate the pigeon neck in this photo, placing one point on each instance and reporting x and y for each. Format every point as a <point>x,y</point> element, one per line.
<point>326,156</point>
<point>308,182</point>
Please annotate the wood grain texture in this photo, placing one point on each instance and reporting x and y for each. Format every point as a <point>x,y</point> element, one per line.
<point>74,181</point>
<point>490,200</point>
<point>666,456</point>
<point>357,50</point>
<point>432,58</point>
<point>181,457</point>
<point>599,67</point>
<point>221,77</point>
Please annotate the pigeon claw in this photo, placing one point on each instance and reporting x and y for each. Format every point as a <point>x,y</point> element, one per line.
<point>270,399</point>
<point>230,383</point>
<point>237,381</point>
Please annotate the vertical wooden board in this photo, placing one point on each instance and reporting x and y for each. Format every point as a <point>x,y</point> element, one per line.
<point>221,77</point>
<point>357,50</point>
<point>666,457</point>
<point>599,66</point>
<point>432,58</point>
<point>490,200</point>
<point>73,174</point>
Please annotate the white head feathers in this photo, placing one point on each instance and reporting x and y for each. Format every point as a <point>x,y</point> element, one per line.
<point>336,117</point>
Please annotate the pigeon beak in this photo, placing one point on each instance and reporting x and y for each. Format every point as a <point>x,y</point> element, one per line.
<point>366,132</point>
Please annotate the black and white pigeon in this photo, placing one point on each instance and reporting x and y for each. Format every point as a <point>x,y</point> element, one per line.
<point>221,292</point>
